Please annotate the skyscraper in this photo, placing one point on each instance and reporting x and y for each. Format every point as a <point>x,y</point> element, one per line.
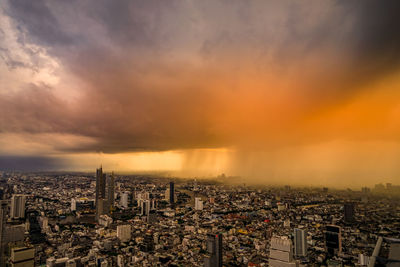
<point>145,207</point>
<point>171,193</point>
<point>110,192</point>
<point>333,239</point>
<point>100,183</point>
<point>101,201</point>
<point>3,217</point>
<point>214,249</point>
<point>348,212</point>
<point>18,207</point>
<point>300,242</point>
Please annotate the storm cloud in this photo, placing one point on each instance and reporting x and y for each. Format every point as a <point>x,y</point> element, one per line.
<point>170,75</point>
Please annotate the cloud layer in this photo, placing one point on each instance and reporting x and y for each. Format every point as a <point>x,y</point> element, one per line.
<point>170,75</point>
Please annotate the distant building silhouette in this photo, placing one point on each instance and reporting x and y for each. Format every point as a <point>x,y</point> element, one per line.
<point>171,193</point>
<point>348,210</point>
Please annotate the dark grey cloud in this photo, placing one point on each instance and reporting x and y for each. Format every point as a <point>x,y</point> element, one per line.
<point>375,28</point>
<point>364,29</point>
<point>34,109</point>
<point>40,22</point>
<point>29,163</point>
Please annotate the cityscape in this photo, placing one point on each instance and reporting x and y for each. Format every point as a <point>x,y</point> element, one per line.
<point>199,133</point>
<point>64,219</point>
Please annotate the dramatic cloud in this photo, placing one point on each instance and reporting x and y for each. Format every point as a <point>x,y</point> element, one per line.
<point>131,76</point>
<point>24,163</point>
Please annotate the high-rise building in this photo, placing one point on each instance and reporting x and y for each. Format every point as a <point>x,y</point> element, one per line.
<point>281,252</point>
<point>124,232</point>
<point>333,239</point>
<point>101,207</point>
<point>3,217</point>
<point>22,256</point>
<point>300,242</point>
<point>110,192</point>
<point>171,193</point>
<point>17,207</point>
<point>214,249</point>
<point>145,207</point>
<point>100,184</point>
<point>198,203</point>
<point>124,201</point>
<point>166,198</point>
<point>348,212</point>
<point>102,203</point>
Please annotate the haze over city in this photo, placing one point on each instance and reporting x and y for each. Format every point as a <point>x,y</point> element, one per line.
<point>299,92</point>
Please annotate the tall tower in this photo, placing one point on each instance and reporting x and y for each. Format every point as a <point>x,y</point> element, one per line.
<point>348,212</point>
<point>100,184</point>
<point>101,201</point>
<point>171,193</point>
<point>111,197</point>
<point>145,207</point>
<point>18,207</point>
<point>214,249</point>
<point>3,217</point>
<point>300,243</point>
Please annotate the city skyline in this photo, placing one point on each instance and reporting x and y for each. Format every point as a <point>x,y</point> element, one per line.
<point>288,92</point>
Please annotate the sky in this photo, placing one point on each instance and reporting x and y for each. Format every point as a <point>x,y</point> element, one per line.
<point>300,92</point>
